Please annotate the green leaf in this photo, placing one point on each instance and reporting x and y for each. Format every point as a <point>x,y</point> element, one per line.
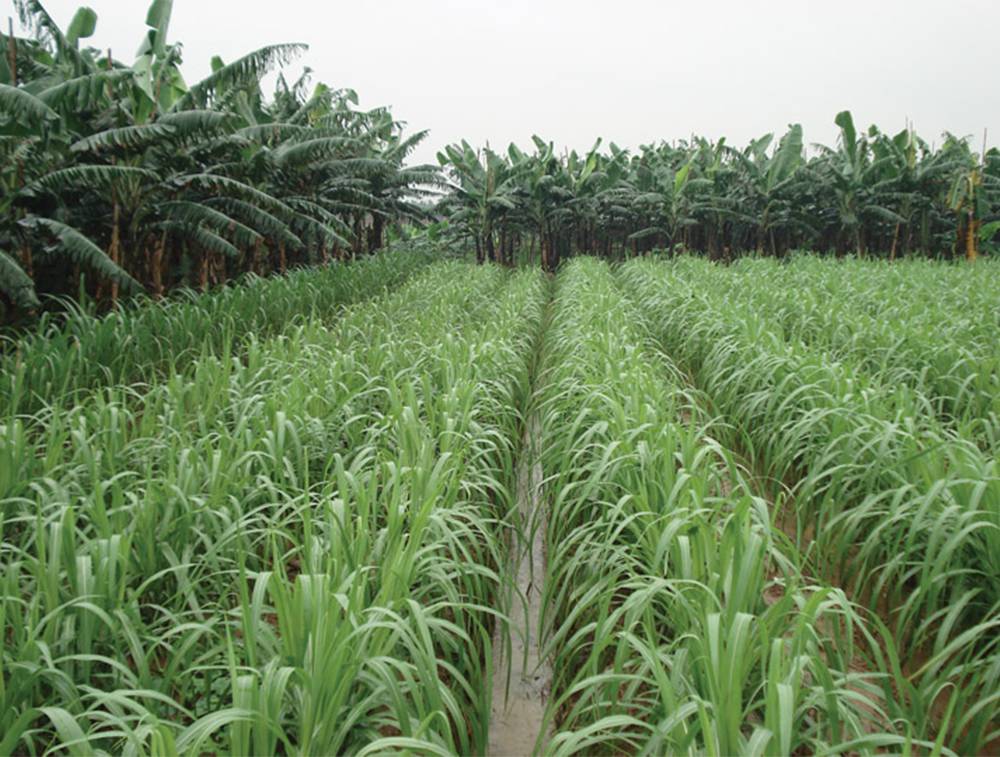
<point>988,230</point>
<point>79,249</point>
<point>203,238</point>
<point>95,177</point>
<point>124,138</point>
<point>69,731</point>
<point>16,284</point>
<point>21,104</point>
<point>83,92</point>
<point>194,214</point>
<point>242,72</point>
<point>82,26</point>
<point>158,19</point>
<point>787,158</point>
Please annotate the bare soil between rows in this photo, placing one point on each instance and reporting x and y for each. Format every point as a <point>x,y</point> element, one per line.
<point>521,677</point>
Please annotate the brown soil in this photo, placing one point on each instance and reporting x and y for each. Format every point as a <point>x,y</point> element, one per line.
<point>521,681</point>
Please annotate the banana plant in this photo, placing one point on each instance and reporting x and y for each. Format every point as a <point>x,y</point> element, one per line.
<point>767,178</point>
<point>482,185</point>
<point>668,195</point>
<point>968,196</point>
<point>131,176</point>
<point>854,178</point>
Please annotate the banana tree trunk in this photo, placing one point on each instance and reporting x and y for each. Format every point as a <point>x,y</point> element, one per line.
<point>255,257</point>
<point>491,253</point>
<point>376,233</point>
<point>11,51</point>
<point>971,238</point>
<point>359,236</point>
<point>114,248</point>
<point>156,266</point>
<point>220,269</point>
<point>203,271</point>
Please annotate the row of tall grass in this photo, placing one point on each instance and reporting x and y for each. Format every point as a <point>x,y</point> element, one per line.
<point>887,500</point>
<point>290,550</point>
<point>677,616</point>
<point>914,323</point>
<point>72,350</point>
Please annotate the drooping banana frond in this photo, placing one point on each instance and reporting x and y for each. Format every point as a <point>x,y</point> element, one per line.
<point>124,138</point>
<point>272,132</point>
<point>33,16</point>
<point>16,284</point>
<point>311,151</point>
<point>79,249</point>
<point>188,123</point>
<point>401,150</point>
<point>319,230</point>
<point>96,177</point>
<point>195,214</point>
<point>21,104</point>
<point>347,194</point>
<point>359,166</point>
<point>310,207</point>
<point>247,70</point>
<point>267,224</point>
<point>425,174</point>
<point>215,182</point>
<point>83,92</point>
<point>202,237</point>
<point>305,206</point>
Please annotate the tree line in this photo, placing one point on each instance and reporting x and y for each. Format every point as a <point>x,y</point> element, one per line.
<point>121,177</point>
<point>118,177</point>
<point>872,194</point>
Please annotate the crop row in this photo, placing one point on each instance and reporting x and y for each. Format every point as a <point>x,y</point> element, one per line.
<point>273,530</point>
<point>295,550</point>
<point>890,504</point>
<point>916,323</point>
<point>678,619</point>
<point>70,352</point>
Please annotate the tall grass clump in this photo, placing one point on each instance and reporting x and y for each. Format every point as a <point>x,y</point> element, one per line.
<point>73,351</point>
<point>676,615</point>
<point>891,504</point>
<point>291,550</point>
<point>916,323</point>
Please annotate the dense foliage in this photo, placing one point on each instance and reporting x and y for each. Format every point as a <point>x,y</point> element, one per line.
<point>874,437</point>
<point>288,516</point>
<point>769,527</point>
<point>288,545</point>
<point>873,193</point>
<point>129,175</point>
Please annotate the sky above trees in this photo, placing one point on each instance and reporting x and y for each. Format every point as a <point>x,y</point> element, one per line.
<point>633,71</point>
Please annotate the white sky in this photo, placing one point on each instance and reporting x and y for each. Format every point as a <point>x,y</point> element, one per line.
<point>632,71</point>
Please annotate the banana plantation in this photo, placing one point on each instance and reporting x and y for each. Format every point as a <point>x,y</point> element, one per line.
<point>121,177</point>
<point>873,194</point>
<point>307,448</point>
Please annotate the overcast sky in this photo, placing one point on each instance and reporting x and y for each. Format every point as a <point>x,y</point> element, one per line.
<point>632,71</point>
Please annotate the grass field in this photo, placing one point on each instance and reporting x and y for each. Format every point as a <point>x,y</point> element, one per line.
<point>280,518</point>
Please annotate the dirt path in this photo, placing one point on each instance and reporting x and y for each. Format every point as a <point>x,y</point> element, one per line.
<point>518,712</point>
